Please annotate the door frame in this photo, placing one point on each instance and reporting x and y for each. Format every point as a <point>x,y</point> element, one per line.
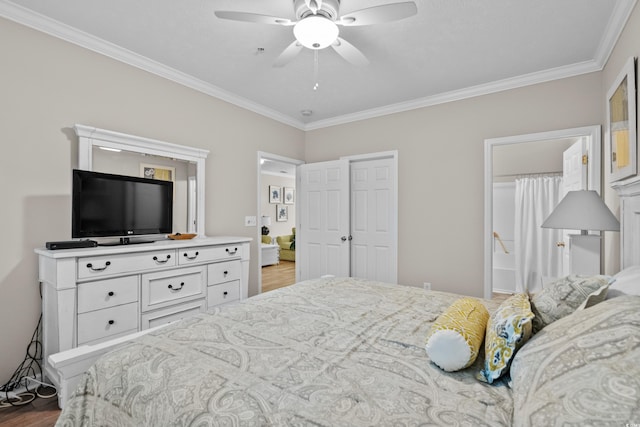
<point>594,179</point>
<point>275,157</point>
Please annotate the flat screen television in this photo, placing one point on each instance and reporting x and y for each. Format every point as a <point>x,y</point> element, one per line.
<point>107,205</point>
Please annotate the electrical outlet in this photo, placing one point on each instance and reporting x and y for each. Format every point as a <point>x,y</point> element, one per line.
<point>426,286</point>
<point>250,221</point>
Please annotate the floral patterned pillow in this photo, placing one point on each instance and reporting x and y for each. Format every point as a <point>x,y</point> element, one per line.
<point>564,296</point>
<point>508,329</point>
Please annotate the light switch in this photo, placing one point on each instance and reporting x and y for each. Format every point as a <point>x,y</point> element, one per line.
<point>250,221</point>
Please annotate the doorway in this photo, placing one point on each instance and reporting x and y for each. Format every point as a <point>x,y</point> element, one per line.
<point>276,219</point>
<point>501,167</point>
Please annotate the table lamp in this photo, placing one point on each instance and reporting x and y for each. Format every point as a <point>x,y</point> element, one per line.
<point>583,210</point>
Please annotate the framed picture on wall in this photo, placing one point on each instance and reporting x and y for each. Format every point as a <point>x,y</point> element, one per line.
<point>621,132</point>
<point>275,194</point>
<point>282,213</point>
<point>287,195</point>
<point>163,173</point>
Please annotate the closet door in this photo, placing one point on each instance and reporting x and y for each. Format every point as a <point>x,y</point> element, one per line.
<point>373,220</point>
<point>322,235</point>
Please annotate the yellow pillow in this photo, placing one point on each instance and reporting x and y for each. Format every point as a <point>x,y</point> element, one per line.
<point>456,335</point>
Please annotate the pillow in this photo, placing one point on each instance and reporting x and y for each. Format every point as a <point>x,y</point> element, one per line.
<point>626,282</point>
<point>581,370</point>
<point>562,297</point>
<point>508,329</point>
<point>456,335</point>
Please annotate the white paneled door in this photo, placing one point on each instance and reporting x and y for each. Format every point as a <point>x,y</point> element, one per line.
<point>347,219</point>
<point>574,177</point>
<point>373,248</point>
<point>322,235</point>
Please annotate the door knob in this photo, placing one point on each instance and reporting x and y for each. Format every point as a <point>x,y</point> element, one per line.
<point>560,244</point>
<point>343,238</point>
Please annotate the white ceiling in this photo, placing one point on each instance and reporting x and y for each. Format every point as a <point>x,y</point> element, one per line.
<point>452,49</point>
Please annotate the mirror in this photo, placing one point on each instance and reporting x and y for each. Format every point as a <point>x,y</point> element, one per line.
<point>111,152</point>
<point>499,160</point>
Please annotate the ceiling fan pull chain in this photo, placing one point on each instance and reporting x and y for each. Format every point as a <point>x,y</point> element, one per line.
<point>315,69</point>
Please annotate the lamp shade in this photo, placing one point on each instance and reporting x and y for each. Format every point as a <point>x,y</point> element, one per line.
<point>266,220</point>
<point>316,32</point>
<point>582,210</point>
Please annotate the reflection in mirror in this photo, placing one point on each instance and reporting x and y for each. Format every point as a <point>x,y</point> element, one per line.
<point>149,166</point>
<point>523,174</point>
<point>114,152</point>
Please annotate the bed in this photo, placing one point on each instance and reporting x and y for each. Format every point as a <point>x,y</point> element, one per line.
<point>349,352</point>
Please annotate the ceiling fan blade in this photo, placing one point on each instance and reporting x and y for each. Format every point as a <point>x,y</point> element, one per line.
<point>288,54</point>
<point>379,14</point>
<point>253,17</point>
<point>350,53</point>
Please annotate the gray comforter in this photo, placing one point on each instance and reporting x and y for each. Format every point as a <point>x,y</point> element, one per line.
<point>332,352</point>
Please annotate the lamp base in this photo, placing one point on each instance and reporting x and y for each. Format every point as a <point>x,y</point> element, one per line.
<point>585,254</point>
<point>265,230</point>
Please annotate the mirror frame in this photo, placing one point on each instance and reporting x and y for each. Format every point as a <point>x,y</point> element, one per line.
<point>594,179</point>
<point>91,137</point>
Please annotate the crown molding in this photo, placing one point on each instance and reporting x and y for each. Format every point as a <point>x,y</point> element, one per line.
<point>616,24</point>
<point>466,93</point>
<point>62,31</point>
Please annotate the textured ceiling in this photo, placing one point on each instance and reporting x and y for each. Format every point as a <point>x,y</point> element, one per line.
<point>450,50</point>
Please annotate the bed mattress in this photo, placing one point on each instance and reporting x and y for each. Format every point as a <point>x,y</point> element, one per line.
<point>327,352</point>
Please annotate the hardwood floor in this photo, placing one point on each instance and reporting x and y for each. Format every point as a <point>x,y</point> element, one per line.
<point>45,412</point>
<point>278,275</point>
<point>39,413</point>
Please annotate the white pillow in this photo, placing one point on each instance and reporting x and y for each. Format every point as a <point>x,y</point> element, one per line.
<point>626,282</point>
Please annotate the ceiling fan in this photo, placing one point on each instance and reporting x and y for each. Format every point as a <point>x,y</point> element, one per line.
<point>317,25</point>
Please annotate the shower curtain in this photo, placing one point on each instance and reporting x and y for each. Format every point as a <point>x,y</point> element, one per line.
<point>536,254</point>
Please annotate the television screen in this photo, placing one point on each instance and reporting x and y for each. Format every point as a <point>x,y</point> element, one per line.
<point>106,205</point>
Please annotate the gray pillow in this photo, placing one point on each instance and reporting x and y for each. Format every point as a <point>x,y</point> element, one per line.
<point>562,297</point>
<point>581,370</point>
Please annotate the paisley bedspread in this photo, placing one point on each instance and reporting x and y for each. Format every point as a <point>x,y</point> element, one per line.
<point>327,352</point>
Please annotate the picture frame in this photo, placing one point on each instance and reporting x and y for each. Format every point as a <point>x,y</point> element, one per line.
<point>282,213</point>
<point>621,131</point>
<point>288,194</point>
<point>162,173</point>
<point>275,194</point>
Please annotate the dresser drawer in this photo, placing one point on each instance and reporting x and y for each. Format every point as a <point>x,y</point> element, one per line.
<point>209,253</point>
<point>223,272</point>
<point>170,287</point>
<point>223,293</point>
<point>107,265</point>
<point>107,293</point>
<point>100,324</point>
<point>171,314</point>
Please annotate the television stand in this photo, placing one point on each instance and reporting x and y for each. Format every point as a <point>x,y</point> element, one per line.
<point>126,241</point>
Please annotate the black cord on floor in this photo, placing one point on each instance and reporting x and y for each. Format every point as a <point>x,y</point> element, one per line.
<point>26,374</point>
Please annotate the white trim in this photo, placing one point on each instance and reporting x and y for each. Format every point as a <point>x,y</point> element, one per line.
<point>595,163</point>
<point>54,28</point>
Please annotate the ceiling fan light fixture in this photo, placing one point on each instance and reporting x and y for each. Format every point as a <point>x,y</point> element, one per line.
<point>316,32</point>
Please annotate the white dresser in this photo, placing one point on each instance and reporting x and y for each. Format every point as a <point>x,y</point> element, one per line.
<point>97,294</point>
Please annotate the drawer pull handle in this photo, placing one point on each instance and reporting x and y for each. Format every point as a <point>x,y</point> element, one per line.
<point>106,264</point>
<point>225,272</point>
<point>233,252</point>
<point>111,293</point>
<point>225,293</point>
<point>111,322</point>
<point>162,261</point>
<point>186,255</point>
<point>176,289</point>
